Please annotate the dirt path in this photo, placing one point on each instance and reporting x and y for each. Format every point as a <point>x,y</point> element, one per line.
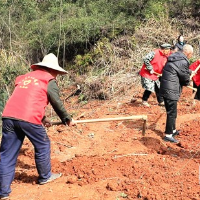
<point>113,161</point>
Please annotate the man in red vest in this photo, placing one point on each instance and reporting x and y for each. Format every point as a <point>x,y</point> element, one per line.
<point>151,70</point>
<point>196,78</point>
<point>24,115</point>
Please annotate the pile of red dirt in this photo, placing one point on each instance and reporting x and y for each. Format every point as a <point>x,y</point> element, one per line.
<point>113,160</point>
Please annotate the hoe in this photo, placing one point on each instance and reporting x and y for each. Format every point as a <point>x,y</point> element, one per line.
<point>144,117</point>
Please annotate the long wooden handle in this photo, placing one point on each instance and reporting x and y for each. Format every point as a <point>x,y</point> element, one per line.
<point>144,117</point>
<point>186,86</point>
<point>195,89</point>
<point>157,74</point>
<point>197,69</point>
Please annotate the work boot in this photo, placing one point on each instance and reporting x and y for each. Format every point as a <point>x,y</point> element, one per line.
<point>51,178</point>
<point>145,103</point>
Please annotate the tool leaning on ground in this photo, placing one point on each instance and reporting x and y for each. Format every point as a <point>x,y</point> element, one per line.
<point>159,75</point>
<point>144,117</point>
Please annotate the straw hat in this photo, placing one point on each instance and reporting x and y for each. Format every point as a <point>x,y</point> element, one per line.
<point>50,61</point>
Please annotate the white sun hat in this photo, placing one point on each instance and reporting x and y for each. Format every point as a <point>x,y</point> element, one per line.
<point>50,61</point>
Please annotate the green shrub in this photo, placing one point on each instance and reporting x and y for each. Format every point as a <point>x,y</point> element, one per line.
<point>12,66</point>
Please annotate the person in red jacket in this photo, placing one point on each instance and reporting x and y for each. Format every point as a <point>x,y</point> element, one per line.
<point>24,116</point>
<point>152,70</point>
<point>196,78</point>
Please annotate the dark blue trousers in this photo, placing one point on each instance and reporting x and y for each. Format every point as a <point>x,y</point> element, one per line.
<point>13,134</point>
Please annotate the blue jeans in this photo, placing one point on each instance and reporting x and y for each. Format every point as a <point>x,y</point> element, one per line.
<point>13,134</point>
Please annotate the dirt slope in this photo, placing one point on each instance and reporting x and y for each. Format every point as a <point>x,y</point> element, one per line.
<point>112,160</point>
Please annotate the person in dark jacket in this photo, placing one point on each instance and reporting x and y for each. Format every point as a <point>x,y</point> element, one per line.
<point>180,43</point>
<point>24,116</point>
<point>176,74</point>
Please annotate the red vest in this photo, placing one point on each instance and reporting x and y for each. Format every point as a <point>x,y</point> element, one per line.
<point>29,98</point>
<point>196,78</point>
<point>158,62</point>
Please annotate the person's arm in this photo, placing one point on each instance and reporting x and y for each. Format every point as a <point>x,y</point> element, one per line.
<point>57,104</point>
<point>184,75</point>
<point>147,60</point>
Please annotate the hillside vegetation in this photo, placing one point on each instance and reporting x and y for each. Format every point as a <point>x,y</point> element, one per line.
<point>101,43</point>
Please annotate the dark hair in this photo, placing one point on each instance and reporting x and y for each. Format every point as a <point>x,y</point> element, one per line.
<point>179,37</point>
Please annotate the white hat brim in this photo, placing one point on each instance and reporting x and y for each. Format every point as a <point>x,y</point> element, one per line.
<point>50,61</point>
<point>48,65</point>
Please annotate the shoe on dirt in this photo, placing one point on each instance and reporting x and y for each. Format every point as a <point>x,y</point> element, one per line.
<point>145,103</point>
<point>161,104</point>
<point>4,197</point>
<point>51,178</point>
<point>170,139</point>
<point>176,133</point>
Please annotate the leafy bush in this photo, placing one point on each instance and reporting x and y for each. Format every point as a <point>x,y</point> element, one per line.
<point>100,40</point>
<point>12,66</point>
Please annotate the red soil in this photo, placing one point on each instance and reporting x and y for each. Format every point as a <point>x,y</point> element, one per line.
<point>112,160</point>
